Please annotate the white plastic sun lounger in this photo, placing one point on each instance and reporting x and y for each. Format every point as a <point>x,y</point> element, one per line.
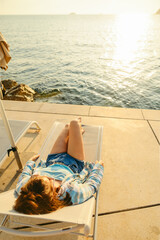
<point>66,220</point>
<point>18,128</point>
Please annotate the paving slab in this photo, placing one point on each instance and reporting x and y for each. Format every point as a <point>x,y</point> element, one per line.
<point>65,109</point>
<point>141,224</point>
<point>22,106</point>
<point>114,112</point>
<point>155,125</point>
<point>151,114</point>
<point>131,155</point>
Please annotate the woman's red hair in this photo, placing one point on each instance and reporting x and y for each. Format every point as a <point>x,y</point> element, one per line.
<point>37,198</point>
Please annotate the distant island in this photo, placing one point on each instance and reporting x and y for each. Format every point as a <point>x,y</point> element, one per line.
<point>72,13</point>
<point>158,11</point>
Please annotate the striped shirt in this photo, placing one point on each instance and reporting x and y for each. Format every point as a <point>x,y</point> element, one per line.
<point>80,186</point>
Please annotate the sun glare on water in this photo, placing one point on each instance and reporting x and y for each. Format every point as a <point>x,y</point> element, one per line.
<point>130,30</point>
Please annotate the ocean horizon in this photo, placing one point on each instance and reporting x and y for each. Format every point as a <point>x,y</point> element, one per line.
<point>103,60</point>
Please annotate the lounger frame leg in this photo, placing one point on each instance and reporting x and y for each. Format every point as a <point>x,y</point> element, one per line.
<point>4,221</point>
<point>46,231</point>
<point>37,125</point>
<point>96,217</point>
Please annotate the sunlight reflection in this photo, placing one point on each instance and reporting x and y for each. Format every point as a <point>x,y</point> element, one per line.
<point>130,28</point>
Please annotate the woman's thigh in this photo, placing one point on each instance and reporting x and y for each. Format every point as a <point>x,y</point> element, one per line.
<point>75,143</point>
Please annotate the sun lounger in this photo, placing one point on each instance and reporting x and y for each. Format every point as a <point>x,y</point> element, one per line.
<point>19,128</point>
<point>73,218</point>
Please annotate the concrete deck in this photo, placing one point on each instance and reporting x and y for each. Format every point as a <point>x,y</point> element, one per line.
<point>129,205</point>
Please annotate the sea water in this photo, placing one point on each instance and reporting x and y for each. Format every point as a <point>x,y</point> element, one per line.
<point>102,60</point>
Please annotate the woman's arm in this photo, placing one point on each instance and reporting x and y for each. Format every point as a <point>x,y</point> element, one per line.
<point>26,173</point>
<point>96,175</point>
<point>80,192</point>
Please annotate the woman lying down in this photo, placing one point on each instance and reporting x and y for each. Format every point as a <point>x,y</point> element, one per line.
<point>63,180</point>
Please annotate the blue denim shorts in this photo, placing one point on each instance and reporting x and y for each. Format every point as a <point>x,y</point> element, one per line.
<point>64,158</point>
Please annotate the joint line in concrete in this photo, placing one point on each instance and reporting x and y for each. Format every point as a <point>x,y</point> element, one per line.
<point>153,132</point>
<point>128,209</point>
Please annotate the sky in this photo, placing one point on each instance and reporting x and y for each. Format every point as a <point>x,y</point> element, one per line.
<point>78,6</point>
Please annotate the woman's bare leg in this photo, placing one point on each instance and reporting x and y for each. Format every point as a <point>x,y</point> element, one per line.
<point>61,144</point>
<point>75,143</point>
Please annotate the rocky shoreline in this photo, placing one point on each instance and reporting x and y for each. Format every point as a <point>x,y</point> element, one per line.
<point>22,92</point>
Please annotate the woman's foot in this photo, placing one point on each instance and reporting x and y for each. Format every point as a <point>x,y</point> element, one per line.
<point>79,119</point>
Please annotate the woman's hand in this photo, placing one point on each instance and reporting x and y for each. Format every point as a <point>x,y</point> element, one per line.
<point>100,162</point>
<point>35,157</point>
